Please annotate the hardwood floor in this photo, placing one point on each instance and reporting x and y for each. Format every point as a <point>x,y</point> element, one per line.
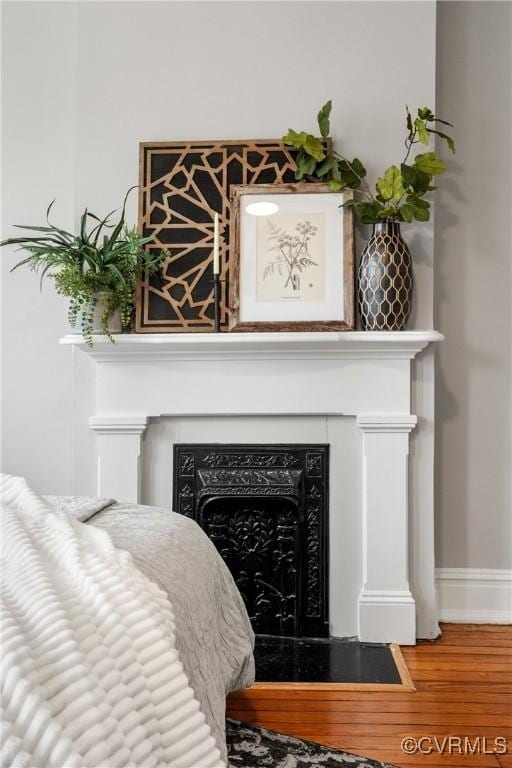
<point>463,688</point>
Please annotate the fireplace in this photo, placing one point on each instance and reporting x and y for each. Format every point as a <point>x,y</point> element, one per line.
<point>363,393</point>
<point>266,510</point>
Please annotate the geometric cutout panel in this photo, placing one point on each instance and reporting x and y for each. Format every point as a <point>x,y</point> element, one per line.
<point>182,184</point>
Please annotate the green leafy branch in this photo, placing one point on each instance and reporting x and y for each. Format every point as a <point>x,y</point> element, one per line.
<point>399,193</point>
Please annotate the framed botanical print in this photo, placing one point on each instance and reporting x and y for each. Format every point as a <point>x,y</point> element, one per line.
<point>292,258</point>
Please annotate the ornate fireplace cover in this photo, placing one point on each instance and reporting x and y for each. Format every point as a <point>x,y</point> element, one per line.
<point>266,510</point>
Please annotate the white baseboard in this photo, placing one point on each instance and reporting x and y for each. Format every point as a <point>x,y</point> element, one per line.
<point>474,595</point>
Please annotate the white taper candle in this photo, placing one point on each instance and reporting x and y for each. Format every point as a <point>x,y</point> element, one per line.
<point>216,240</point>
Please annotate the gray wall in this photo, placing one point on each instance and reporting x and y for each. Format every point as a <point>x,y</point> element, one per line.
<point>38,163</point>
<point>83,83</point>
<point>473,288</point>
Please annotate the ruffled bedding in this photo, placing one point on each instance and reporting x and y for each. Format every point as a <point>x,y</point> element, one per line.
<point>91,647</point>
<point>213,633</point>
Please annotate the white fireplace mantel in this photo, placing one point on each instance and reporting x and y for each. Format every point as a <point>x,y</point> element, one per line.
<point>362,374</point>
<point>305,346</point>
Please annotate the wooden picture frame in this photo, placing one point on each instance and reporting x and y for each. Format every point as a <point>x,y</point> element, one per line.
<point>182,184</point>
<point>346,322</point>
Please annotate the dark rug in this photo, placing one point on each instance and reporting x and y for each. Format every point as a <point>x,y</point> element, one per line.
<point>250,747</point>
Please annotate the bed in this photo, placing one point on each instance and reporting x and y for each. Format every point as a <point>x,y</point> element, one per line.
<point>213,633</point>
<point>213,636</point>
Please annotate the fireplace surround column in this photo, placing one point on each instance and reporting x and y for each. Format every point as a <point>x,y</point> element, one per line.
<point>386,610</point>
<point>118,455</point>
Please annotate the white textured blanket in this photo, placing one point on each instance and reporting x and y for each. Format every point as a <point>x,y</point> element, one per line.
<point>90,674</point>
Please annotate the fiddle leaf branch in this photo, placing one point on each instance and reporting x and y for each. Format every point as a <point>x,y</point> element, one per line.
<point>399,193</point>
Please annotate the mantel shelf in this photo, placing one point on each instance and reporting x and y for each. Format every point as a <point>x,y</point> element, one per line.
<point>252,346</point>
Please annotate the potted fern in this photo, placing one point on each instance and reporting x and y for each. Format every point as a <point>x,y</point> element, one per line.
<point>97,269</point>
<point>385,279</point>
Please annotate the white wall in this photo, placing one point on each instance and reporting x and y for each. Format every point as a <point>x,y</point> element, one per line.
<point>86,82</point>
<point>473,288</point>
<point>38,164</point>
<point>231,70</point>
<point>83,83</point>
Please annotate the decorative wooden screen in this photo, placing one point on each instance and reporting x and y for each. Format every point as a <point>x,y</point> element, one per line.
<point>182,184</point>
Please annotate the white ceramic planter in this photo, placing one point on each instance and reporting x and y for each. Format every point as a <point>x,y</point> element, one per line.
<point>114,322</point>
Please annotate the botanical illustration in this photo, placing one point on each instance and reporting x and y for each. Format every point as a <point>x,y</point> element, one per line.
<point>290,254</point>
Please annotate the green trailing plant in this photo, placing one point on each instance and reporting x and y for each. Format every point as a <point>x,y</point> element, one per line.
<point>399,193</point>
<point>103,257</point>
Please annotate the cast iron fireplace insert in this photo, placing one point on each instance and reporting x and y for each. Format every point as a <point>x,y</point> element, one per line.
<point>265,507</point>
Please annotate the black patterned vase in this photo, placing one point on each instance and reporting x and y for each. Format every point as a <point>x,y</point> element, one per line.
<point>385,281</point>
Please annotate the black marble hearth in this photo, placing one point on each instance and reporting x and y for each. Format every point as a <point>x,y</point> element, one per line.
<point>265,507</point>
<point>331,660</point>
